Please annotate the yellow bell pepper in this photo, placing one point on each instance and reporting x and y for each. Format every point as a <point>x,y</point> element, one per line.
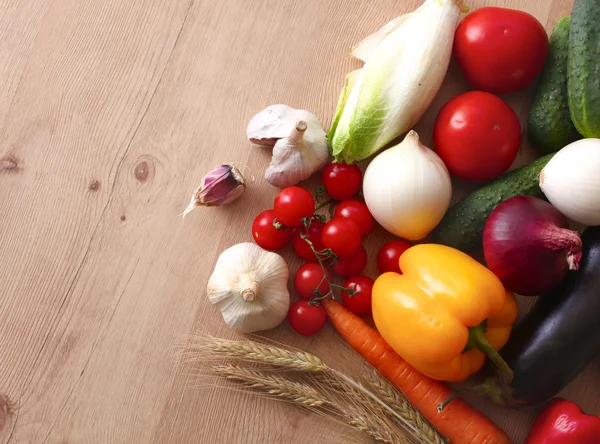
<point>444,313</point>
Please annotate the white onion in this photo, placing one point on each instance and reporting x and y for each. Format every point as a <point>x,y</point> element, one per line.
<point>571,181</point>
<point>407,189</point>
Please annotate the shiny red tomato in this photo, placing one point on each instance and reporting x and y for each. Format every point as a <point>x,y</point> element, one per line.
<point>266,235</point>
<point>341,181</point>
<point>477,135</point>
<point>500,50</point>
<point>359,303</point>
<point>306,319</point>
<point>301,247</point>
<point>309,278</point>
<point>351,265</point>
<point>341,235</point>
<point>357,212</point>
<point>389,256</point>
<point>292,204</point>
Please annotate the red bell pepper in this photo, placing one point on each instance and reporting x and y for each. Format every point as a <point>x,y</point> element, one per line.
<point>563,422</point>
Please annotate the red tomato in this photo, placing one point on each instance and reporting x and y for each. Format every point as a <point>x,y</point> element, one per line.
<point>309,278</point>
<point>266,235</point>
<point>360,303</point>
<point>477,135</point>
<point>292,204</point>
<point>351,265</point>
<point>301,247</point>
<point>342,236</point>
<point>341,181</point>
<point>389,256</point>
<point>306,319</point>
<point>358,213</point>
<point>500,50</point>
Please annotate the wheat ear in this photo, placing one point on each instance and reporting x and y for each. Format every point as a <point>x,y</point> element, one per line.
<point>215,349</point>
<point>392,397</point>
<point>284,389</point>
<point>202,348</point>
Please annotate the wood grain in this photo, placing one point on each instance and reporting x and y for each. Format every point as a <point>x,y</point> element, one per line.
<point>110,113</point>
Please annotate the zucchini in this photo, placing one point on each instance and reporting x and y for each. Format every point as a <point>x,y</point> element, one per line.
<point>550,127</point>
<point>583,72</point>
<point>462,226</point>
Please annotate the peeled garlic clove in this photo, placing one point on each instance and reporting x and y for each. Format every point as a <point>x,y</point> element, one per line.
<point>298,156</point>
<point>221,186</point>
<point>249,287</point>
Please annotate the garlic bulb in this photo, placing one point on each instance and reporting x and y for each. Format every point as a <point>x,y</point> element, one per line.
<point>249,286</point>
<point>298,140</point>
<point>571,181</point>
<point>407,189</point>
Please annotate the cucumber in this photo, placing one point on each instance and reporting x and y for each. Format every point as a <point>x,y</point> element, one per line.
<point>550,127</point>
<point>583,72</point>
<point>462,226</point>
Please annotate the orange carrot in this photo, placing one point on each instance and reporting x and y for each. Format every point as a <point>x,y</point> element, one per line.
<point>459,422</point>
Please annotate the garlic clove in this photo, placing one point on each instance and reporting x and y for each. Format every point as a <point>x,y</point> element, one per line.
<point>298,156</point>
<point>299,143</point>
<point>221,186</point>
<point>249,287</point>
<point>276,122</point>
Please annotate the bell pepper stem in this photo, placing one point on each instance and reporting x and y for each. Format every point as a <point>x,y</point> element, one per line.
<point>479,341</point>
<point>489,388</point>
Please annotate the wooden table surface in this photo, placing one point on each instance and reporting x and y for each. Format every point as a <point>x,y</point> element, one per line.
<point>110,113</point>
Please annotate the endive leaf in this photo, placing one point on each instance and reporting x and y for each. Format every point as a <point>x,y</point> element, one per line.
<point>406,62</point>
<point>365,49</point>
<point>350,80</point>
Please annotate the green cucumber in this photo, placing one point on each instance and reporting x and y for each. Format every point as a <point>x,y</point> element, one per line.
<point>462,226</point>
<point>583,72</point>
<point>550,127</point>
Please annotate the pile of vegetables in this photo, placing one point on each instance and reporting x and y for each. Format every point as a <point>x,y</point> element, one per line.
<point>444,302</point>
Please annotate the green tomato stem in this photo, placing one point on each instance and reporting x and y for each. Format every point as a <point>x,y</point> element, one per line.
<point>321,257</point>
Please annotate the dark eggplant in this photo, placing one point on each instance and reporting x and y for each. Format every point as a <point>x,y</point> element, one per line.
<point>561,334</point>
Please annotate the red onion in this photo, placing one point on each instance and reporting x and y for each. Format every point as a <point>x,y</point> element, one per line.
<point>527,244</point>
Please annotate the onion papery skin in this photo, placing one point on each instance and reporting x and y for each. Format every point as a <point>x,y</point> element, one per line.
<point>527,244</point>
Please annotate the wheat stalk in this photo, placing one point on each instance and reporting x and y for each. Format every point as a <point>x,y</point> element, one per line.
<point>204,349</point>
<point>284,389</point>
<point>254,352</point>
<point>388,393</point>
<point>271,385</point>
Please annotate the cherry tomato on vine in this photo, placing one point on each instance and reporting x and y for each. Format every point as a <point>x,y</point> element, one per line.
<point>351,265</point>
<point>357,212</point>
<point>500,50</point>
<point>292,204</point>
<point>477,135</point>
<point>266,235</point>
<point>342,181</point>
<point>341,235</point>
<point>389,255</point>
<point>306,319</point>
<point>308,278</point>
<point>359,303</point>
<point>301,247</point>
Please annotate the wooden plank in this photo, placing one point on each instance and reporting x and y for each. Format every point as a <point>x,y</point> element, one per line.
<point>113,112</point>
